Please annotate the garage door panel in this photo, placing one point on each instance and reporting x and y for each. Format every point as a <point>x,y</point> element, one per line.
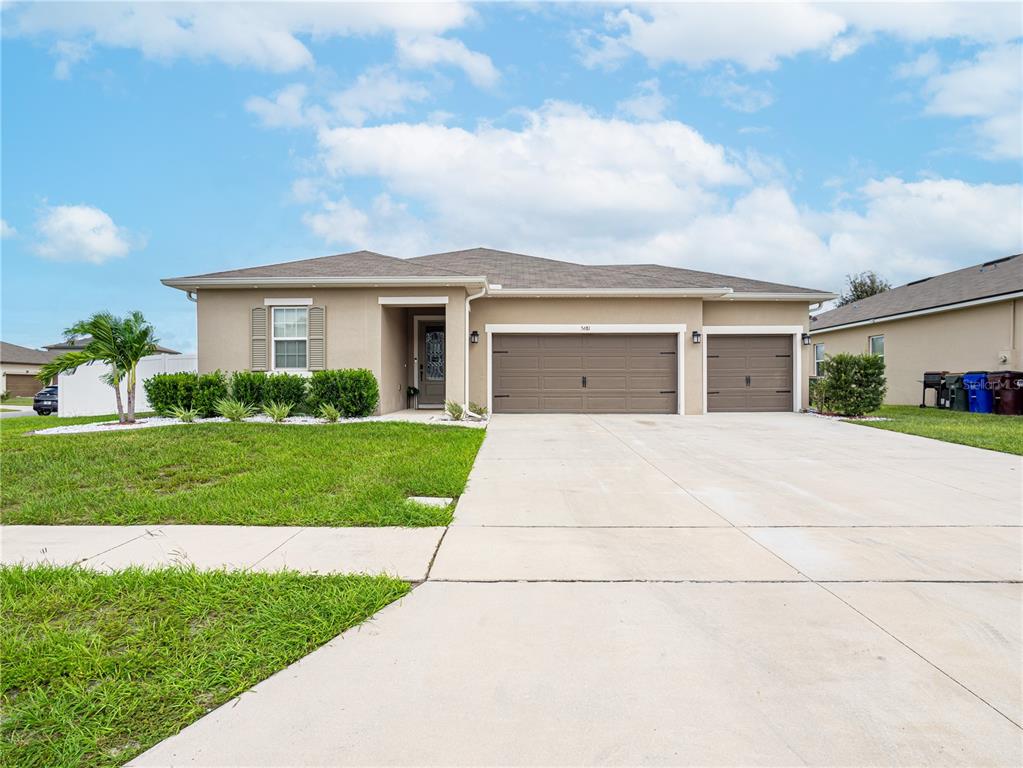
<point>749,373</point>
<point>624,373</point>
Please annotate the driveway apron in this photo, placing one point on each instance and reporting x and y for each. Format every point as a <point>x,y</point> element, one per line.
<point>735,589</point>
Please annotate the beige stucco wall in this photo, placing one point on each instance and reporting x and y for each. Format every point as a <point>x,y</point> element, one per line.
<point>961,340</point>
<point>360,332</point>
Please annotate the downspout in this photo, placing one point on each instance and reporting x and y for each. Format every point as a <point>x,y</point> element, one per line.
<point>468,300</point>
<point>192,296</point>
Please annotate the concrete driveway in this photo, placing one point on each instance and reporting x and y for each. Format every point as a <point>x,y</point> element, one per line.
<point>723,590</point>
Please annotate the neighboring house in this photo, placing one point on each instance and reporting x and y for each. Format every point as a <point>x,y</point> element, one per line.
<point>81,341</point>
<point>967,320</point>
<point>515,333</point>
<point>19,367</point>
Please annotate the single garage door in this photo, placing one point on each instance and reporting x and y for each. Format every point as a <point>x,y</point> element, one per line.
<point>749,373</point>
<point>22,385</point>
<point>585,373</point>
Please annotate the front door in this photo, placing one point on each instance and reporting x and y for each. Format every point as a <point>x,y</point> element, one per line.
<point>430,365</point>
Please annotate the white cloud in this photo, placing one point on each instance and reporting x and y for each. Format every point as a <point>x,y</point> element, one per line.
<point>6,230</point>
<point>268,36</point>
<point>377,92</point>
<point>80,233</point>
<point>571,184</point>
<point>757,35</point>
<point>739,96</point>
<point>430,50</point>
<point>648,103</point>
<point>285,110</point>
<point>68,53</point>
<point>924,65</point>
<point>988,88</point>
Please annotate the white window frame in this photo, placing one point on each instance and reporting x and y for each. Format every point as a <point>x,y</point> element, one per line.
<point>816,362</point>
<point>870,344</point>
<point>795,331</point>
<point>274,338</point>
<point>679,331</point>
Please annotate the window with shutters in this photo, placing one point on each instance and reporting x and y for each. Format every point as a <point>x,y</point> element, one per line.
<point>290,338</point>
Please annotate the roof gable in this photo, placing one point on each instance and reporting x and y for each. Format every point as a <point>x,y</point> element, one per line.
<point>990,279</point>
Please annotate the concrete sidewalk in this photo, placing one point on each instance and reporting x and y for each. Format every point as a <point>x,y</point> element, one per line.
<point>402,552</point>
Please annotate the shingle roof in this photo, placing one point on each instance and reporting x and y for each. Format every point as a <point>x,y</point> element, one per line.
<point>79,343</point>
<point>12,353</point>
<point>992,278</point>
<point>509,270</point>
<point>516,270</point>
<point>355,264</point>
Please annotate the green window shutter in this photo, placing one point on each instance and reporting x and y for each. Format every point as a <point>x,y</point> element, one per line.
<point>259,344</point>
<point>317,345</point>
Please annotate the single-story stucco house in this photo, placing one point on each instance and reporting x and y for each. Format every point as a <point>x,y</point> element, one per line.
<point>19,367</point>
<point>967,320</point>
<point>515,333</point>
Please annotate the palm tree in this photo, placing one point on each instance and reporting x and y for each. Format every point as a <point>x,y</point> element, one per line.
<point>118,342</point>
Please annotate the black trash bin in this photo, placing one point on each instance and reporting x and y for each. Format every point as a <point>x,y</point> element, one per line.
<point>1007,388</point>
<point>957,395</point>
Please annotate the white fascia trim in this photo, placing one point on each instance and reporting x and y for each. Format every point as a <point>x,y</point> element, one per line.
<point>921,312</point>
<point>675,328</point>
<point>796,331</point>
<point>809,298</point>
<point>283,302</point>
<point>585,292</point>
<point>319,282</point>
<point>413,301</point>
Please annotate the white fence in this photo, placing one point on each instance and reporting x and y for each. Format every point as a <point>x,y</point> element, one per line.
<point>84,393</point>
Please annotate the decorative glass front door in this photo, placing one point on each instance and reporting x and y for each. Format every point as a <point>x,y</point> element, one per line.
<point>431,364</point>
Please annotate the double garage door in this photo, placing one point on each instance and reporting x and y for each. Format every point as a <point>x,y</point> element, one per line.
<point>620,373</point>
<point>585,373</point>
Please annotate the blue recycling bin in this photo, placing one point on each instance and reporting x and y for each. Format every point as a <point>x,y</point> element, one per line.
<point>980,395</point>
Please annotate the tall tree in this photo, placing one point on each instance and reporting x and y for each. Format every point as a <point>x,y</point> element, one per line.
<point>120,342</point>
<point>862,285</point>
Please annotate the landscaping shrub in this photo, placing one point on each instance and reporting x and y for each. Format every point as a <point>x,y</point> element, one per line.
<point>353,391</point>
<point>454,410</point>
<point>277,412</point>
<point>850,385</point>
<point>233,410</point>
<point>329,413</point>
<point>360,393</point>
<point>186,415</point>
<point>284,388</point>
<point>166,391</point>
<point>209,388</point>
<point>247,386</point>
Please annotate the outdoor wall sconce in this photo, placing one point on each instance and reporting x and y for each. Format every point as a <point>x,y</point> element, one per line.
<point>697,337</point>
<point>806,339</point>
<point>474,337</point>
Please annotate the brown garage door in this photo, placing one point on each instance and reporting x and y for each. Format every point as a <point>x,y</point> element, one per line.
<point>749,373</point>
<point>22,385</point>
<point>585,373</point>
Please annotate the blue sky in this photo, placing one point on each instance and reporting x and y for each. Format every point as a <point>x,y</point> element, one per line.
<point>794,142</point>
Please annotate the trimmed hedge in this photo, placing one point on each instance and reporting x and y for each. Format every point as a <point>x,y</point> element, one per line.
<point>850,385</point>
<point>166,391</point>
<point>247,387</point>
<point>287,388</point>
<point>353,391</point>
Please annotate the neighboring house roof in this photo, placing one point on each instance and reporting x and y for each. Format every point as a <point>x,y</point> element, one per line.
<point>12,353</point>
<point>504,272</point>
<point>987,281</point>
<point>79,343</point>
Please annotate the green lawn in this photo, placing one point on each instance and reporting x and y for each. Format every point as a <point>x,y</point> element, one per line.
<point>981,430</point>
<point>99,667</point>
<point>240,474</point>
<point>18,400</point>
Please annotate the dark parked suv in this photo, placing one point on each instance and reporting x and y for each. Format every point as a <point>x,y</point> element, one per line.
<point>45,401</point>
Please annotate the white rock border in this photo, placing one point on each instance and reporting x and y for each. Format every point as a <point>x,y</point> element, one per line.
<point>262,418</point>
<point>832,417</point>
